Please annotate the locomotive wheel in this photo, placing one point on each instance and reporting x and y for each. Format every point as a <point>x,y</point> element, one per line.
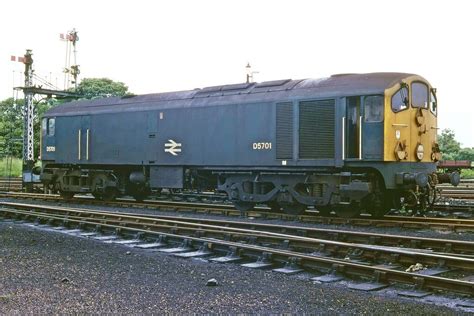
<point>347,210</point>
<point>411,200</point>
<point>244,206</point>
<point>66,195</point>
<point>139,193</point>
<point>324,210</point>
<point>139,197</point>
<point>110,194</point>
<point>274,206</point>
<point>294,208</point>
<point>377,205</point>
<point>97,196</point>
<point>431,197</point>
<point>379,212</point>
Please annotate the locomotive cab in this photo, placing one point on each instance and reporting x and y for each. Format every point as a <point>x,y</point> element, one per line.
<point>47,146</point>
<point>410,128</point>
<point>48,138</point>
<point>411,122</point>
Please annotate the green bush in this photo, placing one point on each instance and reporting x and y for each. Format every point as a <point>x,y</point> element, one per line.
<point>16,166</point>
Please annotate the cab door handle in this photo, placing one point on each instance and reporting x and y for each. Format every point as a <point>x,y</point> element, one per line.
<point>79,144</point>
<point>87,144</point>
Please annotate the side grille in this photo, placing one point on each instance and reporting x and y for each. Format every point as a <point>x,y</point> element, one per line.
<point>316,129</point>
<point>284,130</point>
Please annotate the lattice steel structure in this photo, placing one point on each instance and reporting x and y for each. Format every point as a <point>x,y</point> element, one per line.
<point>28,112</point>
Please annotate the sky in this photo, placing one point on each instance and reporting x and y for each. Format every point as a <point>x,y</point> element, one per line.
<point>159,46</point>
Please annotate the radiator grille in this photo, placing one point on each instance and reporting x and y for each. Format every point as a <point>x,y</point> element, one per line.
<point>316,129</point>
<point>284,130</point>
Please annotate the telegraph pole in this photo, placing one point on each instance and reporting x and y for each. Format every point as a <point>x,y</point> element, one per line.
<point>28,131</point>
<point>71,39</point>
<point>250,73</point>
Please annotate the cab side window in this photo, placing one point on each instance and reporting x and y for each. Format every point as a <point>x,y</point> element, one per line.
<point>51,126</point>
<point>400,100</point>
<point>419,95</point>
<point>44,126</point>
<point>373,108</point>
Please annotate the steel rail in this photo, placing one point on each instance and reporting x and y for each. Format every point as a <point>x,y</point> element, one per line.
<point>313,262</point>
<point>444,245</point>
<point>403,256</point>
<point>389,221</point>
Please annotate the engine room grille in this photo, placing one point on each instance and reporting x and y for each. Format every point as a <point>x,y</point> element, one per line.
<point>284,130</point>
<point>316,129</point>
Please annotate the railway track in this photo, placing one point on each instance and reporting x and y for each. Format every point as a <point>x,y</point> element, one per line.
<point>371,261</point>
<point>15,184</point>
<point>462,194</point>
<point>464,191</point>
<point>452,224</point>
<point>10,184</point>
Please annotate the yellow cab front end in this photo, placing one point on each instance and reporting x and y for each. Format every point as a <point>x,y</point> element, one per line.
<point>411,122</point>
<point>410,138</point>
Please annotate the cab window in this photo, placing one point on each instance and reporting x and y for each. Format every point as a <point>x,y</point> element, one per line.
<point>419,95</point>
<point>44,126</point>
<point>433,103</point>
<point>373,108</point>
<point>400,100</point>
<point>51,126</point>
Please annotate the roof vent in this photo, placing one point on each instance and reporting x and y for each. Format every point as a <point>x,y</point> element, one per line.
<point>229,87</point>
<point>274,83</point>
<point>342,75</point>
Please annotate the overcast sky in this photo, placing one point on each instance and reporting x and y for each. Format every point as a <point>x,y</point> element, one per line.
<point>158,46</point>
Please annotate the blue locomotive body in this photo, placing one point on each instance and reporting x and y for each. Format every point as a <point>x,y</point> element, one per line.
<point>287,143</point>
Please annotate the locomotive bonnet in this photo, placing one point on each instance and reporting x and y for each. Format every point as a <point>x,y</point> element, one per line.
<point>348,143</point>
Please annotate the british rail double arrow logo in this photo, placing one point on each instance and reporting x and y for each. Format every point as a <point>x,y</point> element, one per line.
<point>172,147</point>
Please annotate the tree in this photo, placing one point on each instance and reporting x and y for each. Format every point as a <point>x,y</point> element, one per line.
<point>101,87</point>
<point>11,127</point>
<point>448,145</point>
<point>466,154</point>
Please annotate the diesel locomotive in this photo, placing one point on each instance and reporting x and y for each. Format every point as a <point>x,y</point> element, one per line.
<point>349,143</point>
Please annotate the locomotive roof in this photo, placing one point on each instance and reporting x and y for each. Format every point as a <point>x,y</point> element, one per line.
<point>269,91</point>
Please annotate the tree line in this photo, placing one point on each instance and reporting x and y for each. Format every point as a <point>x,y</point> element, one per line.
<point>452,149</point>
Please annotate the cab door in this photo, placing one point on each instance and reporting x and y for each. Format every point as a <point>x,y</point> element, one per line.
<point>372,127</point>
<point>48,138</point>
<point>84,138</point>
<point>352,146</point>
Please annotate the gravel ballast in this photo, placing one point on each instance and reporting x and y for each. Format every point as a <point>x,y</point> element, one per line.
<point>43,272</point>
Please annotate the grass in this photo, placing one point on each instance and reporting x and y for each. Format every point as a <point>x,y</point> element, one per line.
<point>467,174</point>
<point>16,165</point>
